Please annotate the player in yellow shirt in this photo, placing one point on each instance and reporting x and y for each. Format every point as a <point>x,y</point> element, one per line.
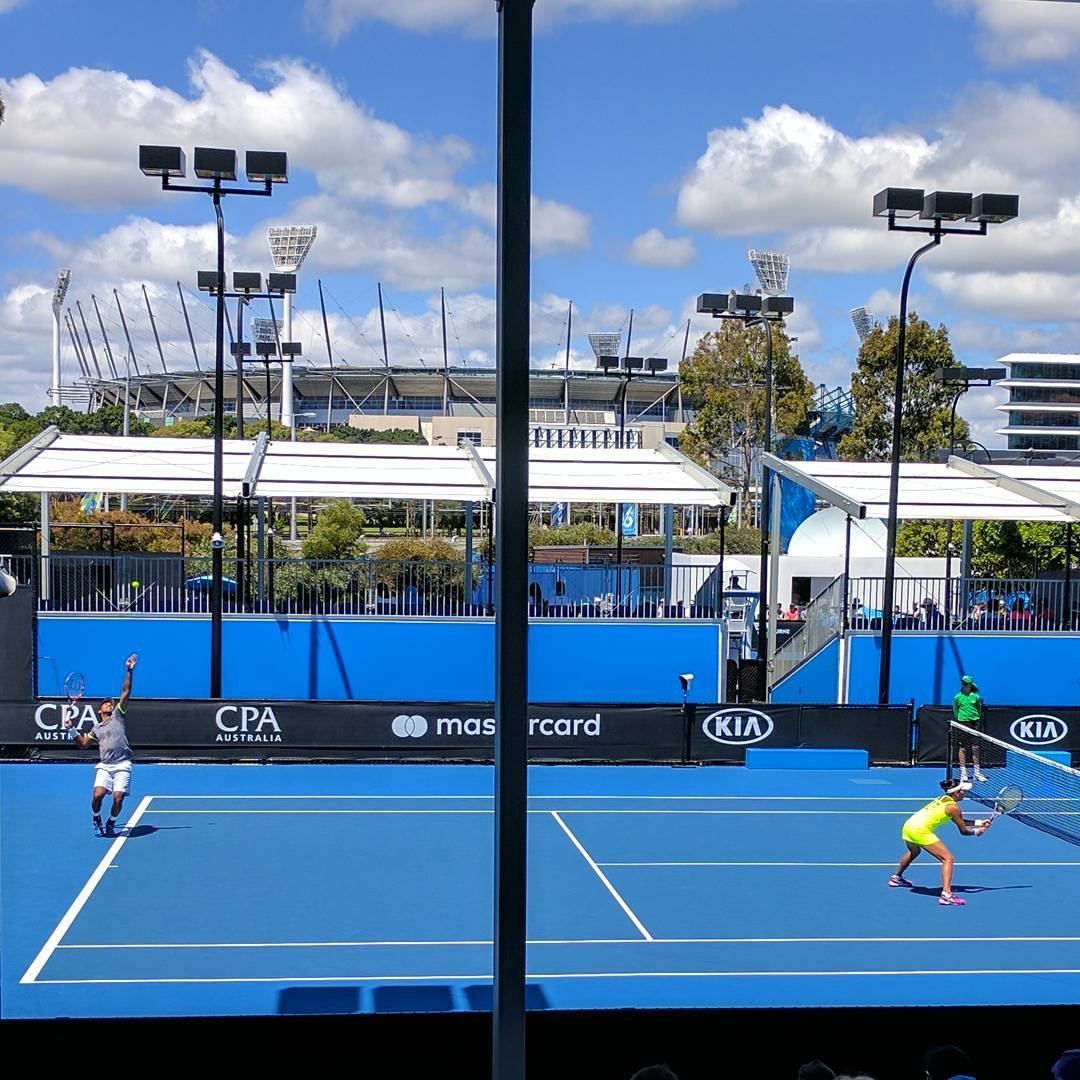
<point>920,833</point>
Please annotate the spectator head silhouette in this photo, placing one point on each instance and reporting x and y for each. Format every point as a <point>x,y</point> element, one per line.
<point>1067,1067</point>
<point>816,1070</point>
<point>654,1072</point>
<point>947,1062</point>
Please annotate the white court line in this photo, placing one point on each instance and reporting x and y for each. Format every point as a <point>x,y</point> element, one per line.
<point>487,976</point>
<point>565,810</point>
<point>600,874</point>
<point>571,941</point>
<point>925,866</point>
<point>77,904</point>
<point>631,798</point>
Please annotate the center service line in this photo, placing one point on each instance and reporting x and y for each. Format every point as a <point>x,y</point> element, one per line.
<point>600,874</point>
<point>79,902</point>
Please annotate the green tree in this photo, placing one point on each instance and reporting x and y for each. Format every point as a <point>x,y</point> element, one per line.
<point>724,380</point>
<point>338,533</point>
<point>927,403</point>
<point>347,433</point>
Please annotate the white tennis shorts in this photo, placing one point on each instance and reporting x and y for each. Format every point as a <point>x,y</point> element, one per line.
<point>115,778</point>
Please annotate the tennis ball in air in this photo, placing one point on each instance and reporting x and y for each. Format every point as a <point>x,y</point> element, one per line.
<point>134,584</point>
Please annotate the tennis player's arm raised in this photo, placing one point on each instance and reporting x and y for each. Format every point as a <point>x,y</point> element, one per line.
<point>968,828</point>
<point>125,692</point>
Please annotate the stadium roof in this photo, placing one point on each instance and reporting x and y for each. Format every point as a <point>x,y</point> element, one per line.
<point>75,464</point>
<point>962,490</point>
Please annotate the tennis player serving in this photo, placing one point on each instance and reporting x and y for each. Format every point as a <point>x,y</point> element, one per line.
<point>920,833</point>
<point>113,771</point>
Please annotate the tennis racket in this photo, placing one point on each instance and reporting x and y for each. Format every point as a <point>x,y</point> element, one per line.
<point>1008,799</point>
<point>74,688</point>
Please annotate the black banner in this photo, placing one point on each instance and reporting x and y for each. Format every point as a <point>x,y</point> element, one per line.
<point>1032,727</point>
<point>414,731</point>
<point>723,732</point>
<point>424,731</point>
<point>17,645</point>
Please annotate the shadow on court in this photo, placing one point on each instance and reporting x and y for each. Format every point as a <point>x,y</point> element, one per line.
<point>922,890</point>
<point>148,830</point>
<point>481,997</point>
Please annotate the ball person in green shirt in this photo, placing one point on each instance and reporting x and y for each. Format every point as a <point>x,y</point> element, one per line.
<point>967,708</point>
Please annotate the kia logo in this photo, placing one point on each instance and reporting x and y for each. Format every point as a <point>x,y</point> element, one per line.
<point>1038,729</point>
<point>737,727</point>
<point>409,727</point>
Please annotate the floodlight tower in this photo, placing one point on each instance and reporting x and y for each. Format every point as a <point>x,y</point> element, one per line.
<point>63,280</point>
<point>863,321</point>
<point>289,245</point>
<point>605,344</point>
<point>772,269</point>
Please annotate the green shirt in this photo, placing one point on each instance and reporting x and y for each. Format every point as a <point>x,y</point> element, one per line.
<point>967,708</point>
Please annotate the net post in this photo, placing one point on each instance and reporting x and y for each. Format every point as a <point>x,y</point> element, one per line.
<point>950,754</point>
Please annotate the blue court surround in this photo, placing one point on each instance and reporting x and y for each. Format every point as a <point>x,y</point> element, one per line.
<point>305,889</point>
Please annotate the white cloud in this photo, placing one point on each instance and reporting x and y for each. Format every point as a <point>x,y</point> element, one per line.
<point>9,5</point>
<point>59,141</point>
<point>479,17</point>
<point>1026,31</point>
<point>1024,296</point>
<point>653,248</point>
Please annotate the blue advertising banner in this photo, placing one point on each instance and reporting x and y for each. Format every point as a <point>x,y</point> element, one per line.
<point>629,519</point>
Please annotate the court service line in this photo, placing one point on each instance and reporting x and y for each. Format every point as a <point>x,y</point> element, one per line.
<point>78,903</point>
<point>575,941</point>
<point>602,876</point>
<point>487,976</point>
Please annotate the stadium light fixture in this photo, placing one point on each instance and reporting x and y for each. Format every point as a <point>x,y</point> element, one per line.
<point>767,311</point>
<point>246,282</point>
<point>771,268</point>
<point>863,321</point>
<point>289,247</point>
<point>60,290</point>
<point>936,210</point>
<point>218,167</point>
<point>605,343</point>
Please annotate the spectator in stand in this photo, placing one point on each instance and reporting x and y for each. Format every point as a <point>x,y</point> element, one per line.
<point>816,1070</point>
<point>654,1072</point>
<point>948,1063</point>
<point>1044,616</point>
<point>1020,617</point>
<point>932,619</point>
<point>993,618</point>
<point>1067,1067</point>
<point>792,613</point>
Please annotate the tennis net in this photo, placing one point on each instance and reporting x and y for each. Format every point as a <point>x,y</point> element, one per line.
<point>1051,790</point>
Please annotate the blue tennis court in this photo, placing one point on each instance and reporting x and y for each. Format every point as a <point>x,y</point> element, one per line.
<point>301,889</point>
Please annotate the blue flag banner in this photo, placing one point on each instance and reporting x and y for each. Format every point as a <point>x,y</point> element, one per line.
<point>560,514</point>
<point>629,519</point>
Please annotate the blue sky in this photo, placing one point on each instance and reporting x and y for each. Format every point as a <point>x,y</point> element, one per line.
<point>669,136</point>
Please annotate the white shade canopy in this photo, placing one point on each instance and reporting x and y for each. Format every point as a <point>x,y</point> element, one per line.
<point>76,464</point>
<point>961,490</point>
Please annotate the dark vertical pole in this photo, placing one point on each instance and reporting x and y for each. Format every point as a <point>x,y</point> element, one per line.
<point>187,323</point>
<point>847,571</point>
<point>668,515</point>
<point>469,555</point>
<point>1068,613</point>
<point>512,539</point>
<point>219,457</point>
<point>766,512</point>
<point>239,367</point>
<point>241,582</point>
<point>723,585</point>
<point>894,486</point>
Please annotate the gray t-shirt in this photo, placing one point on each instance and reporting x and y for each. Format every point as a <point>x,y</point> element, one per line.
<point>112,738</point>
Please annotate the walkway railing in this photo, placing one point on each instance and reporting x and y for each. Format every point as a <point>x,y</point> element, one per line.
<point>821,623</point>
<point>980,604</point>
<point>171,584</point>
